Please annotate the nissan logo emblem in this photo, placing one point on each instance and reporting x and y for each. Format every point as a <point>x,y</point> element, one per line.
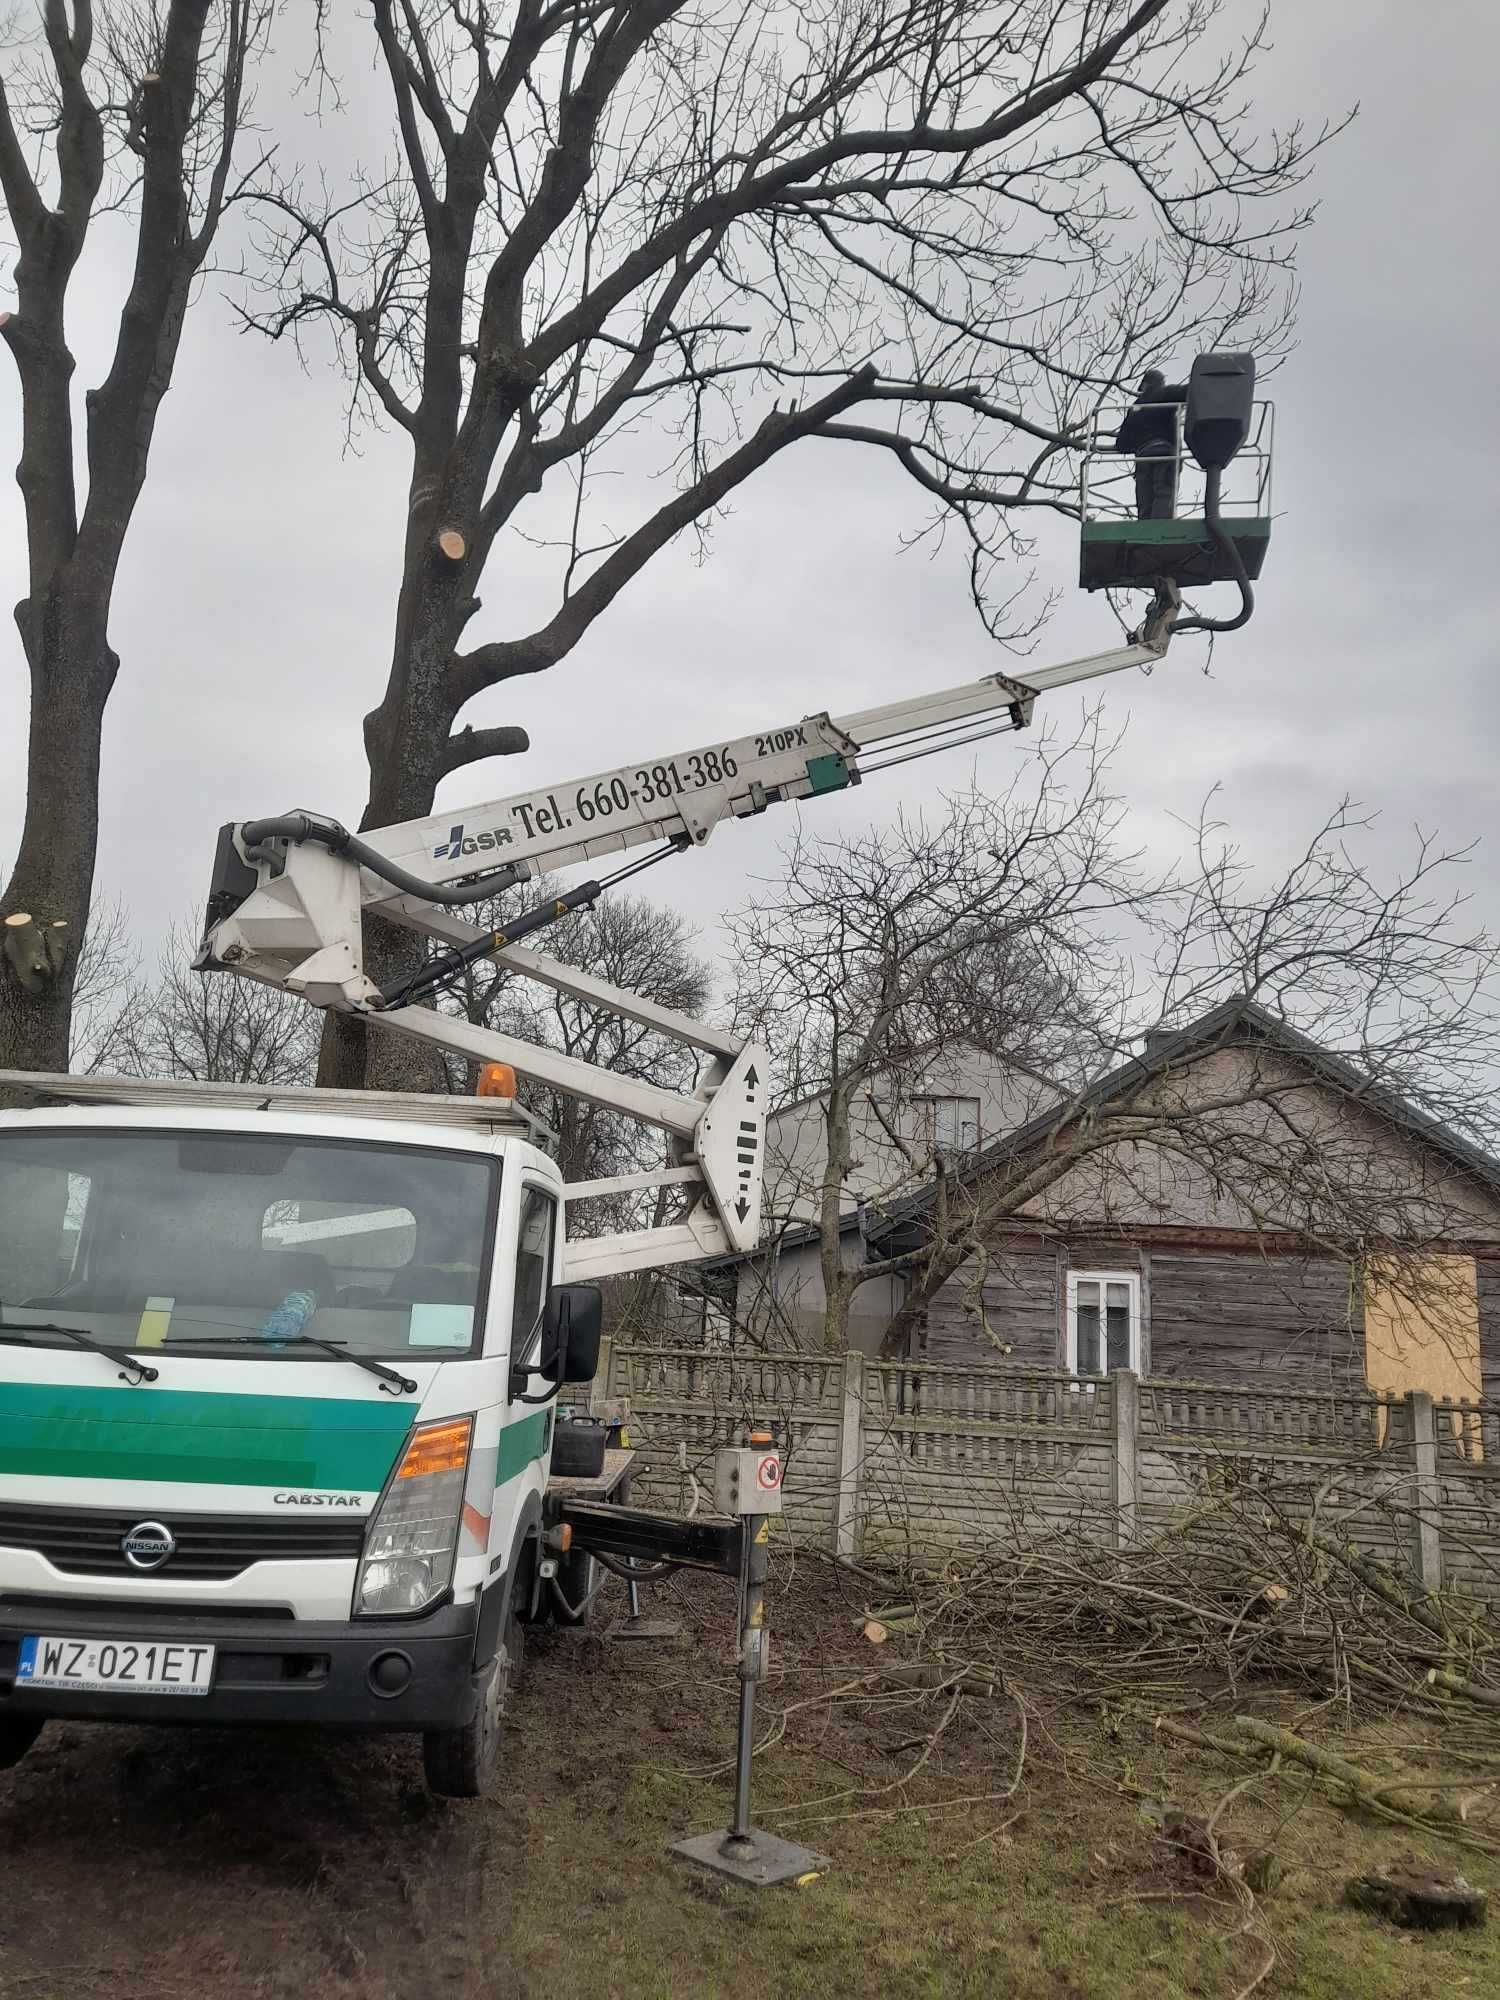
<point>149,1545</point>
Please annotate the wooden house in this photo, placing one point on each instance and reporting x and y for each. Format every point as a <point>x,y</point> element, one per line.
<point>1299,1223</point>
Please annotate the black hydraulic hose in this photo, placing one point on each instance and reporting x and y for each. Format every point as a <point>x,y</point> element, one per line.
<point>442,971</point>
<point>446,968</point>
<point>573,1614</point>
<point>299,827</point>
<point>1225,544</point>
<point>633,1569</point>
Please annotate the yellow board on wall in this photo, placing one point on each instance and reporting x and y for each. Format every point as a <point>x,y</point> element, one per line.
<point>1422,1332</point>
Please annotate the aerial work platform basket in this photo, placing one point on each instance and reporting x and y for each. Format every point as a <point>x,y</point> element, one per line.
<point>1121,551</point>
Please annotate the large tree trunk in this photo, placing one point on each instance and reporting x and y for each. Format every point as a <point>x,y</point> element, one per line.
<point>182,123</point>
<point>406,742</point>
<point>72,672</point>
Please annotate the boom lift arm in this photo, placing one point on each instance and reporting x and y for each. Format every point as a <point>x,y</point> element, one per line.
<point>289,895</point>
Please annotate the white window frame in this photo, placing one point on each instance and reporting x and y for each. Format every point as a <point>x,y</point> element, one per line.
<point>929,1102</point>
<point>1070,1329</point>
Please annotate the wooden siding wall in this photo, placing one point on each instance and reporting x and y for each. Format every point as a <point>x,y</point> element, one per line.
<point>1489,1324</point>
<point>1230,1316</point>
<point>1012,1313</point>
<point>1235,1317</point>
<point>1216,1315</point>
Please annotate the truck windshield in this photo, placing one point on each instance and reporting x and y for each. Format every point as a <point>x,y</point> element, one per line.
<point>170,1239</point>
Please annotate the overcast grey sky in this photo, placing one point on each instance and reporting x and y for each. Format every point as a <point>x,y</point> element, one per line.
<point>254,610</point>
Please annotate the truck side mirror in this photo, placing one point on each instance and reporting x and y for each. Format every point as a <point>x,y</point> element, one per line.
<point>571,1329</point>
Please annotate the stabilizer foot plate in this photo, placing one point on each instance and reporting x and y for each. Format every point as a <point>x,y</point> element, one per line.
<point>759,1859</point>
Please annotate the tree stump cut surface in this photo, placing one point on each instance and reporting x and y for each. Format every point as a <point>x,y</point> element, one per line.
<point>1418,1898</point>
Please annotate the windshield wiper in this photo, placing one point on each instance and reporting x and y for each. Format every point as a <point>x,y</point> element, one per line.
<point>404,1385</point>
<point>140,1371</point>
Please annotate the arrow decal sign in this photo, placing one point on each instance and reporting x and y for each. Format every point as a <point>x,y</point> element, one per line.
<point>731,1147</point>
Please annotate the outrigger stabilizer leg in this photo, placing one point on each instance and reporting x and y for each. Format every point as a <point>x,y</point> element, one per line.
<point>747,1488</point>
<point>747,1482</point>
<point>637,1626</point>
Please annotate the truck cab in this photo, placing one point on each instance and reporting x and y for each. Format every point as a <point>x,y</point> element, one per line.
<point>278,1373</point>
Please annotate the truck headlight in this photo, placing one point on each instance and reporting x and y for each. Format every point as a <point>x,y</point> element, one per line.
<point>410,1544</point>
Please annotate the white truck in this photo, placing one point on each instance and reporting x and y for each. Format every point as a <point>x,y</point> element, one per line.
<point>204,1518</point>
<point>279,1368</point>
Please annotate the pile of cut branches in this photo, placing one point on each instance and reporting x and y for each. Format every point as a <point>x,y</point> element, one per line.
<point>1247,1597</point>
<point>1242,1590</point>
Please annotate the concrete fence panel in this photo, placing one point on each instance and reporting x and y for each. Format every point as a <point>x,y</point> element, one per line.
<point>885,1458</point>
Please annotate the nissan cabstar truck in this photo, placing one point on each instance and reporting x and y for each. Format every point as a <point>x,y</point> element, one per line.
<point>278,1378</point>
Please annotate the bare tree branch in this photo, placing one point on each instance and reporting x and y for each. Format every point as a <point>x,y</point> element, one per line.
<point>470,745</point>
<point>636,242</point>
<point>1336,1094</point>
<point>473,672</point>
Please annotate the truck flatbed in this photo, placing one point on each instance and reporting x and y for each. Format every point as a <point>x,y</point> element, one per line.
<point>610,1483</point>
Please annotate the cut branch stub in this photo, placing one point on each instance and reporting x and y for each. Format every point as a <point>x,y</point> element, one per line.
<point>451,545</point>
<point>36,953</point>
<point>470,745</point>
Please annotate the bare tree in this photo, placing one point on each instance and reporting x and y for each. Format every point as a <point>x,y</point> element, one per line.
<point>109,996</point>
<point>125,105</point>
<point>180,1024</point>
<point>633,943</point>
<point>875,959</point>
<point>650,239</point>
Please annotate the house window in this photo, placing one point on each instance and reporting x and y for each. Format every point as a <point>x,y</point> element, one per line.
<point>950,1125</point>
<point>1104,1321</point>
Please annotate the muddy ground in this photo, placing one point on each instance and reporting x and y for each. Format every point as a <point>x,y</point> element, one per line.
<point>166,1863</point>
<point>187,1864</point>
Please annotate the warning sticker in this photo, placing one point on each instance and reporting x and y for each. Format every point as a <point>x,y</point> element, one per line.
<point>768,1473</point>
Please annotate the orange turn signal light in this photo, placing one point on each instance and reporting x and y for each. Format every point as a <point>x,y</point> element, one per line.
<point>437,1448</point>
<point>495,1080</point>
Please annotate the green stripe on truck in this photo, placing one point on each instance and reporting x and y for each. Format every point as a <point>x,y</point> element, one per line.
<point>520,1443</point>
<point>183,1436</point>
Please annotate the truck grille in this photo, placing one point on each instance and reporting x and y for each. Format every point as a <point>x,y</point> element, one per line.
<point>82,1541</point>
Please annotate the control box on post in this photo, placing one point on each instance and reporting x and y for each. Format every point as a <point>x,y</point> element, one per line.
<point>747,1479</point>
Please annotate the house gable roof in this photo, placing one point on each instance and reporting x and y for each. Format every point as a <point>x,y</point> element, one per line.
<point>1236,1022</point>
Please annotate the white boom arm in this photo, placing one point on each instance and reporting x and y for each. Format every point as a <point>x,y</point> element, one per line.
<point>289,896</point>
<point>686,796</point>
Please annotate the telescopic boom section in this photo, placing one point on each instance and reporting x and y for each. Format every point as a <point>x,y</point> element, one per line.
<point>289,895</point>
<point>682,798</point>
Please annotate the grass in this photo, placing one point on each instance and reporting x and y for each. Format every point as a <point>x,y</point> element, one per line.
<point>925,1905</point>
<point>1068,1891</point>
